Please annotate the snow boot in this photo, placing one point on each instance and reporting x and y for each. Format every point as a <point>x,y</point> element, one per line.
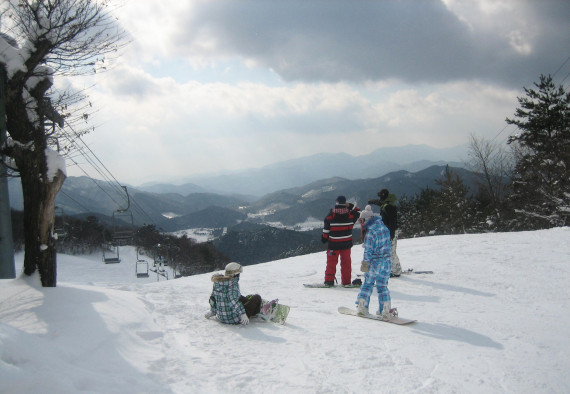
<point>362,309</point>
<point>387,311</point>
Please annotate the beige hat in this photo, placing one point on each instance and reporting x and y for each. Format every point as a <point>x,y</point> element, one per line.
<point>233,269</point>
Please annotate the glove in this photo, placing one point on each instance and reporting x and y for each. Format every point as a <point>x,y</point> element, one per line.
<point>364,266</point>
<point>244,319</point>
<point>209,314</point>
<point>350,206</point>
<point>324,240</point>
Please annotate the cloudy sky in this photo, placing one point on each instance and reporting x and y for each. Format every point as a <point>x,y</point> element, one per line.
<point>207,86</point>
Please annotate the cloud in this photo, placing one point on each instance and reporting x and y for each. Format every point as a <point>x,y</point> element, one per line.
<point>217,85</point>
<point>355,41</point>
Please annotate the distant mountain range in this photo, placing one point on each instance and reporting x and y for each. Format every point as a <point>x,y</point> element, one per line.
<point>81,196</point>
<point>252,236</point>
<point>297,172</point>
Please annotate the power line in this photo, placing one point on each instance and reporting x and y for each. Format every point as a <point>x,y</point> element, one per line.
<point>74,200</point>
<point>87,153</point>
<point>560,68</point>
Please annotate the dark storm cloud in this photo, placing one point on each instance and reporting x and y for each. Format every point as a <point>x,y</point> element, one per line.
<point>414,41</point>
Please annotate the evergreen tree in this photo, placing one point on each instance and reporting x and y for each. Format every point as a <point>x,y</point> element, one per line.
<point>408,217</point>
<point>541,180</point>
<point>428,221</point>
<point>452,206</point>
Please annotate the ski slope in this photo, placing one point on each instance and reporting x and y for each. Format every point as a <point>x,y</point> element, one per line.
<point>491,319</point>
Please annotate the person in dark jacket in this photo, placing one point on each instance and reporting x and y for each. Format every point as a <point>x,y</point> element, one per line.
<point>389,213</point>
<point>337,233</point>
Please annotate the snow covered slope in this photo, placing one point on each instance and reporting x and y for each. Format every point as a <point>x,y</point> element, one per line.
<point>493,318</point>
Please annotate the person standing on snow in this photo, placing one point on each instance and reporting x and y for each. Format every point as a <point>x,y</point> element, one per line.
<point>376,265</point>
<point>337,232</point>
<point>226,301</point>
<point>389,213</point>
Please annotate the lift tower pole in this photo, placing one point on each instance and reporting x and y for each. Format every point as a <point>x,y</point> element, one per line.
<point>7,266</point>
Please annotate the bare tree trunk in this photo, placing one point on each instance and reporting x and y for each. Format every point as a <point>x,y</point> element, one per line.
<point>39,218</point>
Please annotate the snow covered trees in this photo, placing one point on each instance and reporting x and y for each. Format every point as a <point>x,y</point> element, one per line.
<point>43,39</point>
<point>492,164</point>
<point>542,178</point>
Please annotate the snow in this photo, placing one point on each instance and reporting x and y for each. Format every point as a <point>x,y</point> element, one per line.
<point>492,318</point>
<point>55,163</point>
<point>13,58</point>
<point>199,235</point>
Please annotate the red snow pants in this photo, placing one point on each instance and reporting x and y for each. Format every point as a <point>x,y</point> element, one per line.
<point>345,265</point>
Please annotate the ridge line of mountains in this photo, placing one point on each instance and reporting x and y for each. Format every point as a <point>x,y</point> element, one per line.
<point>282,223</point>
<point>82,196</point>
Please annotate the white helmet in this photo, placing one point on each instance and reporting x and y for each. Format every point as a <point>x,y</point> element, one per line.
<point>233,269</point>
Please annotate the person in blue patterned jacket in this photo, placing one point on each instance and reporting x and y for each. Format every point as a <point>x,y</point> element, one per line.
<point>226,301</point>
<point>376,265</point>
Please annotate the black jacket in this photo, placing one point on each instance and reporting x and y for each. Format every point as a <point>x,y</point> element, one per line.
<point>338,225</point>
<point>389,213</point>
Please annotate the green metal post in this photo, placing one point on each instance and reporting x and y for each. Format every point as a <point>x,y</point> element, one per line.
<point>7,265</point>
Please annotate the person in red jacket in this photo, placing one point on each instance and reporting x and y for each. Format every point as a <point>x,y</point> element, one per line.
<point>337,232</point>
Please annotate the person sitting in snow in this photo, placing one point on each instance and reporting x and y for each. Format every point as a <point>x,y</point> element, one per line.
<point>226,301</point>
<point>376,265</point>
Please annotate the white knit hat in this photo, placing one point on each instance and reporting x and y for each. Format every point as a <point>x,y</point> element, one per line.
<point>233,269</point>
<point>366,214</point>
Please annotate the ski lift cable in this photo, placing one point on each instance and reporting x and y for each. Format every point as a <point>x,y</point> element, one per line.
<point>98,185</point>
<point>74,200</point>
<point>116,185</point>
<point>90,161</point>
<point>94,165</point>
<point>85,155</point>
<point>106,192</point>
<point>133,202</point>
<point>139,209</point>
<point>78,137</point>
<point>560,68</point>
<point>95,182</point>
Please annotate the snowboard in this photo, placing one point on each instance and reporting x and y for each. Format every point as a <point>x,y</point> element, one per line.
<point>395,320</point>
<point>274,312</point>
<point>411,271</point>
<point>323,286</point>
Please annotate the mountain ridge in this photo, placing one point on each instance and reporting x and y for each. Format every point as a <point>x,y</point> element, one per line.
<point>258,182</point>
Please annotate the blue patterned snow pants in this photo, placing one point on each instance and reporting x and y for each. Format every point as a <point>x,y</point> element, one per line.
<point>379,274</point>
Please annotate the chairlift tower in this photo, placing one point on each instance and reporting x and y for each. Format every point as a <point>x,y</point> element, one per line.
<point>7,265</point>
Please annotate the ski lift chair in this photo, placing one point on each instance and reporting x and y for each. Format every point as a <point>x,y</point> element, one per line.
<point>123,226</point>
<point>59,226</point>
<point>142,269</point>
<point>109,258</point>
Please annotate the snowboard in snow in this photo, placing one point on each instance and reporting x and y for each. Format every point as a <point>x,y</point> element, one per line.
<point>275,312</point>
<point>323,286</point>
<point>396,320</point>
<point>411,271</point>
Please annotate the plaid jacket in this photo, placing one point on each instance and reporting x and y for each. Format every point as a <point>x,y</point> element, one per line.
<point>228,307</point>
<point>377,244</point>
